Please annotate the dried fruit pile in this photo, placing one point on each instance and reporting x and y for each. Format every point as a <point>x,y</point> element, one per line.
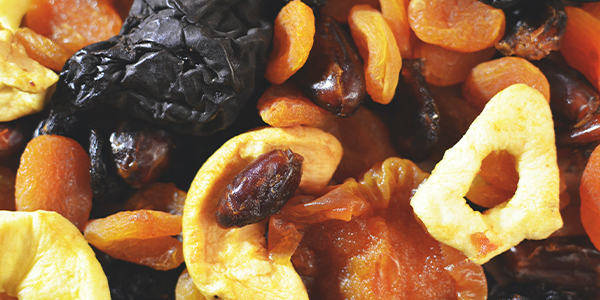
<point>288,149</point>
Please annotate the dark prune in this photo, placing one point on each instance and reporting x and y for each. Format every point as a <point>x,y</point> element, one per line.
<point>189,65</point>
<point>414,127</point>
<point>106,185</point>
<point>533,29</point>
<point>140,152</point>
<point>261,189</point>
<point>333,77</point>
<point>502,3</point>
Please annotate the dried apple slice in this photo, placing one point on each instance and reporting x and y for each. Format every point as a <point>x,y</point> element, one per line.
<point>44,256</point>
<point>234,263</point>
<point>518,120</point>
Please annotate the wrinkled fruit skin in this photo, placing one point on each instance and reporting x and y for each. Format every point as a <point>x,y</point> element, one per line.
<point>333,76</point>
<point>176,63</point>
<point>261,189</point>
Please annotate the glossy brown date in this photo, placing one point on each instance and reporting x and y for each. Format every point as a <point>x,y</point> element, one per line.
<point>261,189</point>
<point>333,76</point>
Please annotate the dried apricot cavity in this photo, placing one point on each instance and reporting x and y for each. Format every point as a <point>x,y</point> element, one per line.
<point>518,120</point>
<point>234,263</point>
<point>43,256</point>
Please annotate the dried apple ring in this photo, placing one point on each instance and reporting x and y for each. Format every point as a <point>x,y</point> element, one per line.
<point>234,263</point>
<point>44,256</point>
<point>518,120</point>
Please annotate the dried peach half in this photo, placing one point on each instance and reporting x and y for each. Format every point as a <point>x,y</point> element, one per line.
<point>518,120</point>
<point>234,263</point>
<point>44,256</point>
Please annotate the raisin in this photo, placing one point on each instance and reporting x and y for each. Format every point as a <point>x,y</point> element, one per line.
<point>140,152</point>
<point>107,186</point>
<point>502,3</point>
<point>11,139</point>
<point>333,76</point>
<point>414,128</point>
<point>261,189</point>
<point>534,29</point>
<point>42,49</point>
<point>190,66</point>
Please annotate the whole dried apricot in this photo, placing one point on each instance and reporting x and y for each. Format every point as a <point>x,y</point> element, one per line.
<point>158,196</point>
<point>590,198</point>
<point>377,46</point>
<point>292,40</point>
<point>395,13</point>
<point>142,236</point>
<point>54,174</point>
<point>488,78</point>
<point>462,25</point>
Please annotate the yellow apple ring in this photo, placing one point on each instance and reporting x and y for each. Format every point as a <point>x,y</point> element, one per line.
<point>234,263</point>
<point>518,120</point>
<point>44,256</point>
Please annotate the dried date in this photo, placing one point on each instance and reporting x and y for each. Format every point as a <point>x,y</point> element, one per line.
<point>261,189</point>
<point>333,76</point>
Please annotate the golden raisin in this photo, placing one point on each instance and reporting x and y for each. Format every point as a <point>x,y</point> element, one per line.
<point>459,25</point>
<point>42,49</point>
<point>54,175</point>
<point>377,46</point>
<point>294,32</point>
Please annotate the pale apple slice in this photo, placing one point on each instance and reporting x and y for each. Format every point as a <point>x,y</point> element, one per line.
<point>44,256</point>
<point>234,263</point>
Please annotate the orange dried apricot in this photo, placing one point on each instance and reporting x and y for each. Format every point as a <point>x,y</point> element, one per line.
<point>580,46</point>
<point>42,49</point>
<point>489,78</point>
<point>443,67</point>
<point>158,196</point>
<point>54,175</point>
<point>340,9</point>
<point>7,189</point>
<point>73,24</point>
<point>592,9</point>
<point>459,25</point>
<point>377,46</point>
<point>395,12</point>
<point>142,236</point>
<point>294,32</point>
<point>590,198</point>
<point>286,106</point>
<point>486,194</point>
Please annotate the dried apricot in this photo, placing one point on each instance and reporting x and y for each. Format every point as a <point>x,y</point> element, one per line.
<point>73,24</point>
<point>590,198</point>
<point>443,67</point>
<point>462,25</point>
<point>395,13</point>
<point>54,174</point>
<point>292,40</point>
<point>592,9</point>
<point>489,78</point>
<point>340,9</point>
<point>158,196</point>
<point>7,189</point>
<point>42,49</point>
<point>580,46</point>
<point>377,46</point>
<point>286,106</point>
<point>142,236</point>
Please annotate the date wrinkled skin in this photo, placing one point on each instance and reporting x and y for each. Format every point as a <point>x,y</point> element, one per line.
<point>533,29</point>
<point>261,189</point>
<point>333,76</point>
<point>415,125</point>
<point>188,65</point>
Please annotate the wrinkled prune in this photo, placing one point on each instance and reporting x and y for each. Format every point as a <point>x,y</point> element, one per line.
<point>333,76</point>
<point>106,185</point>
<point>414,128</point>
<point>189,65</point>
<point>533,29</point>
<point>261,189</point>
<point>502,3</point>
<point>140,152</point>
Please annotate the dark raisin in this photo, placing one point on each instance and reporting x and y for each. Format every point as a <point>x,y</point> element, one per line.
<point>534,28</point>
<point>502,3</point>
<point>261,189</point>
<point>12,139</point>
<point>189,65</point>
<point>333,76</point>
<point>106,185</point>
<point>140,152</point>
<point>414,127</point>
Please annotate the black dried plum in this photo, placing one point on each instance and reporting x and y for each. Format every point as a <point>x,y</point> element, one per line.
<point>502,3</point>
<point>106,185</point>
<point>188,65</point>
